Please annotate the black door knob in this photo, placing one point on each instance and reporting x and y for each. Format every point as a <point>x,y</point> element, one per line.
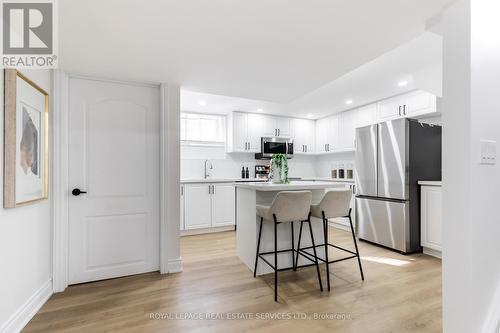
<point>77,192</point>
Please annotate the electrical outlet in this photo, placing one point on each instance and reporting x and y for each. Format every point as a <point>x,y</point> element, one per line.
<point>488,152</point>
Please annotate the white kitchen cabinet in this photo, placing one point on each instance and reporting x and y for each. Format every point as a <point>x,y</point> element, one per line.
<point>347,130</point>
<point>420,103</point>
<point>254,132</point>
<point>222,205</point>
<point>244,132</point>
<point>276,126</point>
<point>284,126</point>
<point>431,220</point>
<point>391,108</point>
<point>327,134</point>
<point>366,115</point>
<point>197,206</point>
<point>208,205</point>
<point>303,136</point>
<point>414,104</point>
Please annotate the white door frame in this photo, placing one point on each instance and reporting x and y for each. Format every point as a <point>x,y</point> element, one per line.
<point>170,260</point>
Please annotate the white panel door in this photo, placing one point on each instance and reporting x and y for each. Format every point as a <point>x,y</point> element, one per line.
<point>321,135</point>
<point>431,217</point>
<point>197,208</point>
<point>284,126</point>
<point>420,103</point>
<point>347,132</point>
<point>391,108</point>
<point>254,132</point>
<point>222,205</point>
<point>239,131</point>
<point>114,157</point>
<point>366,115</point>
<point>332,133</point>
<point>268,126</point>
<point>303,136</point>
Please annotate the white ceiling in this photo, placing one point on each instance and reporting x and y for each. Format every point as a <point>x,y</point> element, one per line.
<point>419,62</point>
<point>273,50</point>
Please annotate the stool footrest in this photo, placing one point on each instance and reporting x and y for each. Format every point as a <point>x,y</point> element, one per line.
<point>335,246</point>
<point>282,251</point>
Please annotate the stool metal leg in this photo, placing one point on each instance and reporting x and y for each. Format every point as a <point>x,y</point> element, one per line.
<point>293,247</point>
<point>315,254</point>
<point>258,248</point>
<point>275,259</point>
<point>356,246</point>
<point>325,230</point>
<point>298,244</point>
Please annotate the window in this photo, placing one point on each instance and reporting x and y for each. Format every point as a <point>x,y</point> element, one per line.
<point>204,129</point>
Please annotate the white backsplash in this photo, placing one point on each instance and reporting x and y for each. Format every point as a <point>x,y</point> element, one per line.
<point>229,165</point>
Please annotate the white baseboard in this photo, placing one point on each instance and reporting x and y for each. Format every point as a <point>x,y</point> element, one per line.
<point>191,232</point>
<point>174,265</point>
<point>28,310</point>
<point>431,252</point>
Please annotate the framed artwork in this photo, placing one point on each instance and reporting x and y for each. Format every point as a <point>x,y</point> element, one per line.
<point>26,140</point>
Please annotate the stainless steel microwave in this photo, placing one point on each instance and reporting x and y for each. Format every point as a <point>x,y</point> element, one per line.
<point>275,145</point>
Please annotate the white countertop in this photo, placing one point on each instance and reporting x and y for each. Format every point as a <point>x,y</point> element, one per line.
<point>294,185</point>
<point>220,180</point>
<point>429,183</point>
<point>232,180</point>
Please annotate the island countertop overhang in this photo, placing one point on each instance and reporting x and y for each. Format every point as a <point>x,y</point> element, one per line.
<point>292,186</point>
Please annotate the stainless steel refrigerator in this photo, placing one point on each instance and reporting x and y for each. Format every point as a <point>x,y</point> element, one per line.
<point>391,157</point>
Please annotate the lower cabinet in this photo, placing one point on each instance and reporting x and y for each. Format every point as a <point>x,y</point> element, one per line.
<point>222,205</point>
<point>208,205</point>
<point>431,220</point>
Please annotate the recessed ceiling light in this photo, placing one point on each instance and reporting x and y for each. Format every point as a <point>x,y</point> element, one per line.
<point>402,83</point>
<point>349,101</point>
<point>310,115</point>
<point>203,103</point>
<point>259,110</point>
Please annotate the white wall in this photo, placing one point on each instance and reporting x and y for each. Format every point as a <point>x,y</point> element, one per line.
<point>25,238</point>
<point>471,191</point>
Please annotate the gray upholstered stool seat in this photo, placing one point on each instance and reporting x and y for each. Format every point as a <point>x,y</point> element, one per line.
<point>334,204</point>
<point>287,206</point>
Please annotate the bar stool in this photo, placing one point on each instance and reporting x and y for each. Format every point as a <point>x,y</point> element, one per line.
<point>334,204</point>
<point>287,206</point>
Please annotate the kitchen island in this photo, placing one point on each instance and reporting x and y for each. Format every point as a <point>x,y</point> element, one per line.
<point>248,195</point>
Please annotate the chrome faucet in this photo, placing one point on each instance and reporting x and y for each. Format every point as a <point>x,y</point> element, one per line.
<point>208,167</point>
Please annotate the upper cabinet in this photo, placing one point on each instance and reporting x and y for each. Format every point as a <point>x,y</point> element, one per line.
<point>332,134</point>
<point>244,132</point>
<point>366,115</point>
<point>336,133</point>
<point>420,103</point>
<point>276,126</point>
<point>414,104</point>
<point>303,136</point>
<point>347,129</point>
<point>327,134</point>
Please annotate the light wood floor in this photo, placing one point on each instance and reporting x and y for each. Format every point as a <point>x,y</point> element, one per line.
<point>399,294</point>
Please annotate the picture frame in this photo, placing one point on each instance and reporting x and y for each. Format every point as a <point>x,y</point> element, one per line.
<point>26,140</point>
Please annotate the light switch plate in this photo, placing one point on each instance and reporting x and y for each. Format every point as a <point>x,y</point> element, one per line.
<point>488,152</point>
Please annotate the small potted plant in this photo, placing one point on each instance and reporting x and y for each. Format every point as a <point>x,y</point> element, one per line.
<point>279,169</point>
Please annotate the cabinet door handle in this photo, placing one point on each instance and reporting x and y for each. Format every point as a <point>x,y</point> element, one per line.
<point>404,109</point>
<point>279,132</point>
<point>399,110</point>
